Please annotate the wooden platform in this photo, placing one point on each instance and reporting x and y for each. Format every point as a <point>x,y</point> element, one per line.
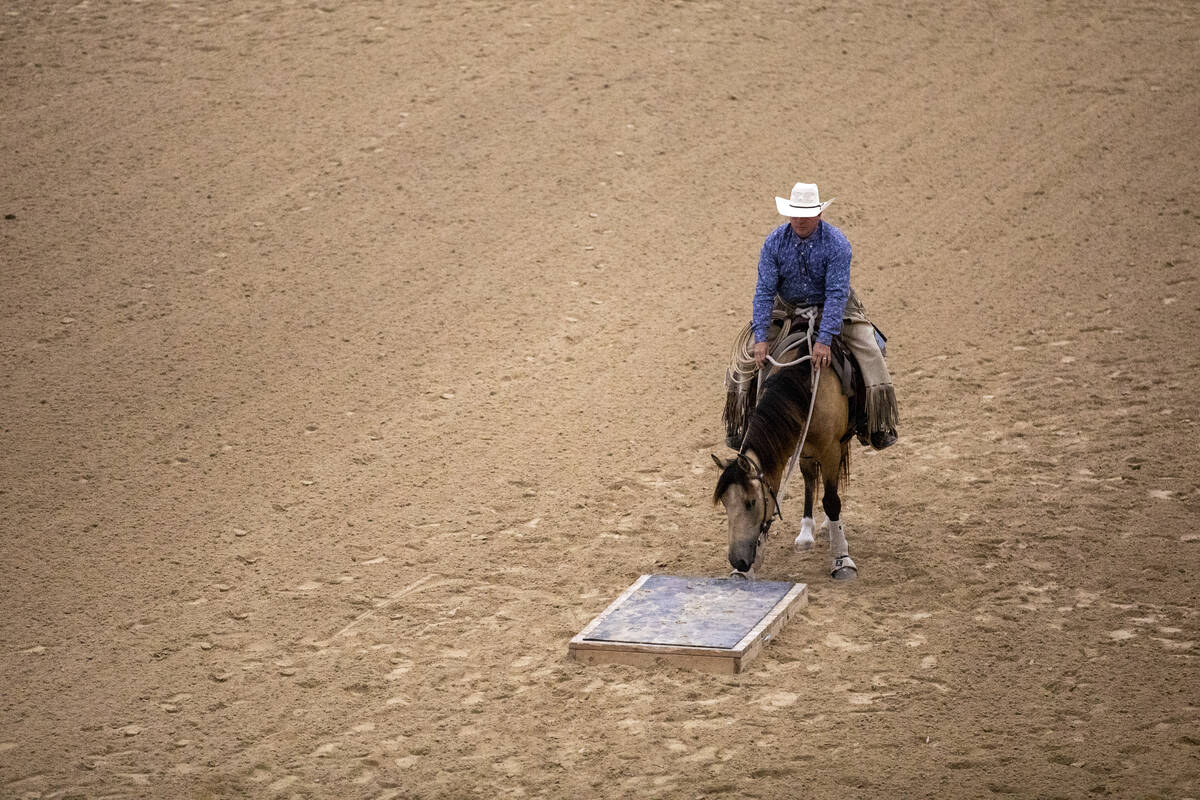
<point>712,624</point>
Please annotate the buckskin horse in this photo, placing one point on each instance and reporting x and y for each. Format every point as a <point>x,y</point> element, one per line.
<point>749,485</point>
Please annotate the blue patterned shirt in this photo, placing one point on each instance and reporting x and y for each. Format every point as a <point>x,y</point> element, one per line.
<point>812,271</point>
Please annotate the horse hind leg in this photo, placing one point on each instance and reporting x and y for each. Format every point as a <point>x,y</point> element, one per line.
<point>842,566</point>
<point>811,470</point>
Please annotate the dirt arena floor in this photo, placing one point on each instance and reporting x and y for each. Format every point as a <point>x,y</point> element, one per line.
<point>356,355</point>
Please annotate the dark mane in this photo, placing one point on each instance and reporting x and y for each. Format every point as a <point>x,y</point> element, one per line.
<point>775,426</point>
<point>778,419</point>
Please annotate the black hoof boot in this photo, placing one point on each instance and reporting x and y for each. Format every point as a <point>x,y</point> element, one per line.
<point>882,439</point>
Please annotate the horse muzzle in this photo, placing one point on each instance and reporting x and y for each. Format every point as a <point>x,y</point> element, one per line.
<point>743,557</point>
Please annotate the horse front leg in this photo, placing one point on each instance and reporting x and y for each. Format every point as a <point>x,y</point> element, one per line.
<point>811,471</point>
<point>842,567</point>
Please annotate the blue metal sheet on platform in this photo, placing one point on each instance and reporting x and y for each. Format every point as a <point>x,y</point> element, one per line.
<point>690,612</point>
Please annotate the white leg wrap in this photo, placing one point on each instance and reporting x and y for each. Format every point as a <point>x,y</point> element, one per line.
<point>839,550</point>
<point>837,538</point>
<point>804,541</point>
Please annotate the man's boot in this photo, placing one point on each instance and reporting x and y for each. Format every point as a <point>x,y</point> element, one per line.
<point>882,439</point>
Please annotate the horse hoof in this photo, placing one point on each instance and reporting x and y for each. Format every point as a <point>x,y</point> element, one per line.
<point>737,574</point>
<point>843,569</point>
<point>804,539</point>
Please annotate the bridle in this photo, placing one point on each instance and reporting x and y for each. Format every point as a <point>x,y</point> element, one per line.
<point>771,510</point>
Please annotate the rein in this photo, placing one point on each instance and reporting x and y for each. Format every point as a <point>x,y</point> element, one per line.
<point>786,343</point>
<point>741,376</point>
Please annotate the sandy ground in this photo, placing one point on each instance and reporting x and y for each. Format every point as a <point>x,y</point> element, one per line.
<point>356,355</point>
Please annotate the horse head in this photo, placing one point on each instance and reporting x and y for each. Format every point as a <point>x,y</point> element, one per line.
<point>750,507</point>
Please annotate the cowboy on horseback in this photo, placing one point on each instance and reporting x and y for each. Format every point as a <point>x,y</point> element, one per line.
<point>806,262</point>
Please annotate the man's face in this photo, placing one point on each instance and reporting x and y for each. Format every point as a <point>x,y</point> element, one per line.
<point>804,226</point>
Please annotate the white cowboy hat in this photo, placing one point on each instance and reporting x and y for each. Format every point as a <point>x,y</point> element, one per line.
<point>804,202</point>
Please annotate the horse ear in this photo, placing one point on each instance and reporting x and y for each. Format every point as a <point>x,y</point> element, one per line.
<point>720,464</point>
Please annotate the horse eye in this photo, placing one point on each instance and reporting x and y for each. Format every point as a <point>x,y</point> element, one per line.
<point>749,504</point>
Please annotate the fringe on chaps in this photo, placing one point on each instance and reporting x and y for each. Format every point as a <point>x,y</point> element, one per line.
<point>882,412</point>
<point>739,397</point>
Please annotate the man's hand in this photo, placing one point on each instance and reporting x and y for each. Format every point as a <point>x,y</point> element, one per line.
<point>760,352</point>
<point>821,355</point>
